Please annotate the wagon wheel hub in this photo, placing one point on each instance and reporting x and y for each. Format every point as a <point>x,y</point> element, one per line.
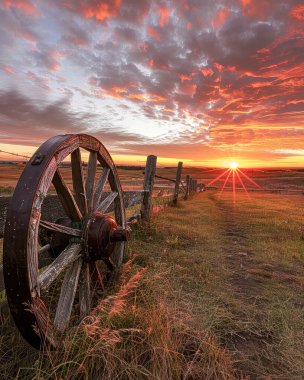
<point>100,235</point>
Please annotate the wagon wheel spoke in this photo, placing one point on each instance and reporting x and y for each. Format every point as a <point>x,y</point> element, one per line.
<point>100,186</point>
<point>78,182</point>
<point>117,255</point>
<point>90,182</point>
<point>66,197</point>
<point>60,228</point>
<point>67,296</point>
<point>106,203</point>
<point>66,258</point>
<point>44,250</point>
<point>85,291</point>
<point>44,256</point>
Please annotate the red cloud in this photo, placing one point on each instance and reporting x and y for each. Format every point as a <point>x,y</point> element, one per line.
<point>164,15</point>
<point>188,88</point>
<point>298,12</point>
<point>153,32</point>
<point>25,6</point>
<point>27,35</point>
<point>157,65</point>
<point>185,77</point>
<point>221,17</point>
<point>206,71</point>
<point>99,10</point>
<point>256,9</point>
<point>8,69</point>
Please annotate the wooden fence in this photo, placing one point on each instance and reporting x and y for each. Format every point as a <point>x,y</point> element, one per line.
<point>157,192</point>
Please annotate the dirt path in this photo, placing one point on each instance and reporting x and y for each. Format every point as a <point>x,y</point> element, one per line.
<point>238,256</point>
<point>248,345</point>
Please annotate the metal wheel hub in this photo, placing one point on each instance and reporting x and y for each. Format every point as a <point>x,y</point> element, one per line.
<point>101,234</point>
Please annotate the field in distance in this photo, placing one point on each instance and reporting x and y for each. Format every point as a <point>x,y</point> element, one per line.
<point>291,180</point>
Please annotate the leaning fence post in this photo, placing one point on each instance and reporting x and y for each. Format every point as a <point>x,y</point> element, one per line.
<point>177,182</point>
<point>148,187</point>
<point>187,186</point>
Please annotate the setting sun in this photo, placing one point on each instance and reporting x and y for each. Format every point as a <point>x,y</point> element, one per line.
<point>233,165</point>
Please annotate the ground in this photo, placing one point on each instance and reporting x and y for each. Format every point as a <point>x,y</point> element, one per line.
<point>208,291</point>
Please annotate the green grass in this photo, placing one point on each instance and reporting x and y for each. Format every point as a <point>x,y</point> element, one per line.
<point>208,291</point>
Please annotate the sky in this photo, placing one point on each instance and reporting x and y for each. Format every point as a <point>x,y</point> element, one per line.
<point>202,81</point>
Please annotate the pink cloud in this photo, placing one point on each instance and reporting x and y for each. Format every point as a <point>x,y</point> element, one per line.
<point>8,69</point>
<point>221,16</point>
<point>164,13</point>
<point>24,6</point>
<point>153,32</point>
<point>298,12</point>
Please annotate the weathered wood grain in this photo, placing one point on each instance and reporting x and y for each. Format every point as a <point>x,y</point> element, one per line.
<point>187,187</point>
<point>44,258</point>
<point>69,255</point>
<point>177,182</point>
<point>148,186</point>
<point>117,255</point>
<point>85,291</point>
<point>106,203</point>
<point>67,296</point>
<point>90,181</point>
<point>66,197</point>
<point>100,185</point>
<point>60,228</point>
<point>78,181</point>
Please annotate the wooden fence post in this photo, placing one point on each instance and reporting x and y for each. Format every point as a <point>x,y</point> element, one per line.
<point>177,182</point>
<point>187,186</point>
<point>148,187</point>
<point>195,185</point>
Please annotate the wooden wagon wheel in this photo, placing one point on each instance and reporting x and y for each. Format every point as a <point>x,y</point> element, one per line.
<point>81,240</point>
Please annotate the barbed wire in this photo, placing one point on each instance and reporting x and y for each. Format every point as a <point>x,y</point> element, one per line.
<point>14,154</point>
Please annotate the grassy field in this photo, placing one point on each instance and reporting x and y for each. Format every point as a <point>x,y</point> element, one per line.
<point>208,291</point>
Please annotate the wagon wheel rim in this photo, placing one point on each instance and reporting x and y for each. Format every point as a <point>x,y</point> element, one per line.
<point>77,263</point>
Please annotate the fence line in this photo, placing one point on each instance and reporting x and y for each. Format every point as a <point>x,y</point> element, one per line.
<point>52,207</point>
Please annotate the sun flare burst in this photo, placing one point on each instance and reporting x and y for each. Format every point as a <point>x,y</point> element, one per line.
<point>233,165</point>
<point>234,179</point>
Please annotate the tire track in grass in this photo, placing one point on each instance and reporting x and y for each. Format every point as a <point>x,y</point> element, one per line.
<point>249,340</point>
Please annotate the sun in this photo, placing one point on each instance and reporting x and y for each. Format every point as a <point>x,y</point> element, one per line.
<point>233,165</point>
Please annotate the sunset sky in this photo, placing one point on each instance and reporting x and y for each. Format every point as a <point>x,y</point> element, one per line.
<point>202,81</point>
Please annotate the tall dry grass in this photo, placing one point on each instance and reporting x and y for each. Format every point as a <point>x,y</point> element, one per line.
<point>135,333</point>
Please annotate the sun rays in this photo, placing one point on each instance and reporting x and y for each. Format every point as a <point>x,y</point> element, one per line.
<point>234,179</point>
